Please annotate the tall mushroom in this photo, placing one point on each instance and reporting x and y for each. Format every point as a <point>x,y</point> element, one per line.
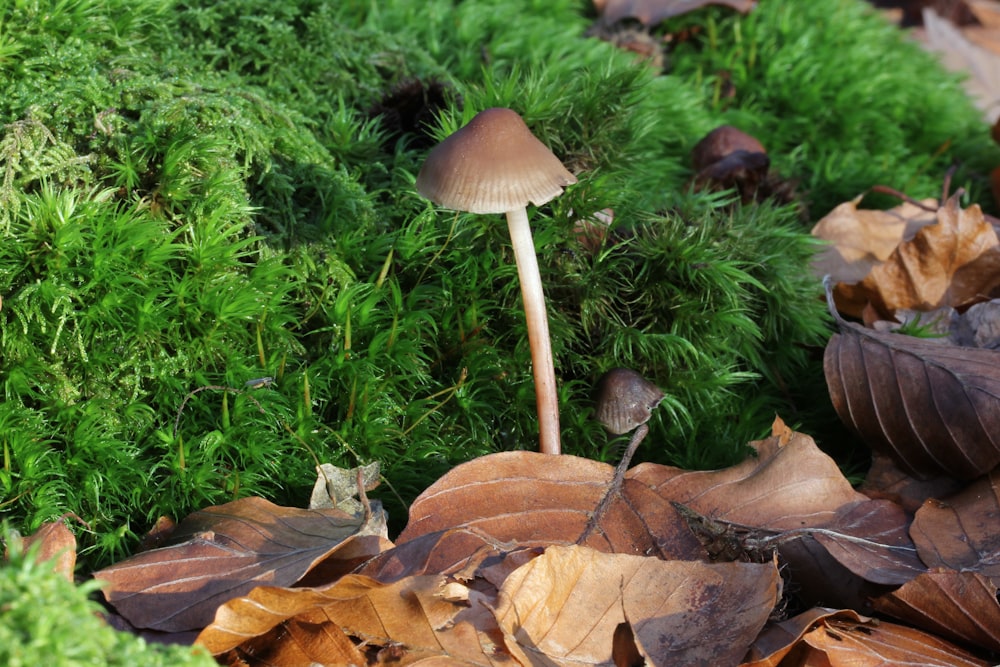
<point>496,165</point>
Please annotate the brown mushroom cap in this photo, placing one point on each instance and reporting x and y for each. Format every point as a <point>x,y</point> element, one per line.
<point>492,165</point>
<point>625,400</point>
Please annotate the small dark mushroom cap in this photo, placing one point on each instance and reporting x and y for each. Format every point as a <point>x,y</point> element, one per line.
<point>625,400</point>
<point>492,165</point>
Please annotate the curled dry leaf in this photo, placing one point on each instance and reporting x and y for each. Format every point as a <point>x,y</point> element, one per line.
<point>934,408</point>
<point>779,639</point>
<point>651,12</point>
<point>793,497</point>
<point>961,532</point>
<point>953,262</point>
<point>564,607</point>
<point>861,238</point>
<point>954,605</point>
<point>222,552</point>
<point>843,642</point>
<point>404,622</point>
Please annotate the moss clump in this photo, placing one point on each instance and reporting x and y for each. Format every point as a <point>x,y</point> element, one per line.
<point>199,193</point>
<point>47,620</point>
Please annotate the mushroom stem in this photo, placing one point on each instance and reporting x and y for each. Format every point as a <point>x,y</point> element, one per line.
<point>546,397</point>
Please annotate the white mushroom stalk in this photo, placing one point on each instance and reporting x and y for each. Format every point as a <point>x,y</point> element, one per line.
<point>495,165</point>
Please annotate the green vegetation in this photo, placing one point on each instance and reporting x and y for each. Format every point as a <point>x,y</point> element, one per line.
<point>201,193</point>
<point>70,632</point>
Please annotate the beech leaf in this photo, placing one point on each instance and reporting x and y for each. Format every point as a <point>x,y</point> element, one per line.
<point>960,532</point>
<point>413,619</point>
<point>531,499</point>
<point>565,606</point>
<point>955,605</point>
<point>934,408</point>
<point>220,553</point>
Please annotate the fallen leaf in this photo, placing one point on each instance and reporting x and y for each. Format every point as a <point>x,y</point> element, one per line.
<point>410,620</point>
<point>790,484</point>
<point>54,542</point>
<point>530,499</point>
<point>795,499</point>
<point>651,12</point>
<point>886,481</point>
<point>220,553</point>
<point>960,606</point>
<point>778,640</point>
<point>564,607</point>
<point>841,643</point>
<point>960,532</point>
<point>861,238</point>
<point>934,408</point>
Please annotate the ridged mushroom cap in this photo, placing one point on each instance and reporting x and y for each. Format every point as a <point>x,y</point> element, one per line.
<point>625,400</point>
<point>492,165</point>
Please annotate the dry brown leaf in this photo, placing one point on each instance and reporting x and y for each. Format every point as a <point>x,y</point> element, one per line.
<point>220,553</point>
<point>886,481</point>
<point>564,607</point>
<point>861,238</point>
<point>651,12</point>
<point>405,622</point>
<point>55,543</point>
<point>842,546</point>
<point>848,644</point>
<point>961,532</point>
<point>530,499</point>
<point>778,640</point>
<point>790,484</point>
<point>960,606</point>
<point>955,262</point>
<point>934,408</point>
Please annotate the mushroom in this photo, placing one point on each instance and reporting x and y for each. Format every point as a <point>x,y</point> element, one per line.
<point>625,401</point>
<point>496,165</point>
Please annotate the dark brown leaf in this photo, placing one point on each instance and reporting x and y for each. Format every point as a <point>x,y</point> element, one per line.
<point>961,532</point>
<point>961,606</point>
<point>220,553</point>
<point>934,408</point>
<point>886,481</point>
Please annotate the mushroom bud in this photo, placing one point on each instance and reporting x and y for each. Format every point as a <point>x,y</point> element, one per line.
<point>626,400</point>
<point>494,164</point>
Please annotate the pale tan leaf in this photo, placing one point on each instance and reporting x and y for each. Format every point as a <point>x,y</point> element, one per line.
<point>849,644</point>
<point>861,238</point>
<point>410,620</point>
<point>564,607</point>
<point>220,553</point>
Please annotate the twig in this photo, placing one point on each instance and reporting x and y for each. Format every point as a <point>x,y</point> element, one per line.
<point>617,481</point>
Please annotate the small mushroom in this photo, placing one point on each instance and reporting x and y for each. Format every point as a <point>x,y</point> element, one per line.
<point>625,400</point>
<point>494,164</point>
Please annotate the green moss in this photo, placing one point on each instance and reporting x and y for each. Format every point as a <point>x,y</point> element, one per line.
<point>197,194</point>
<point>47,620</point>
